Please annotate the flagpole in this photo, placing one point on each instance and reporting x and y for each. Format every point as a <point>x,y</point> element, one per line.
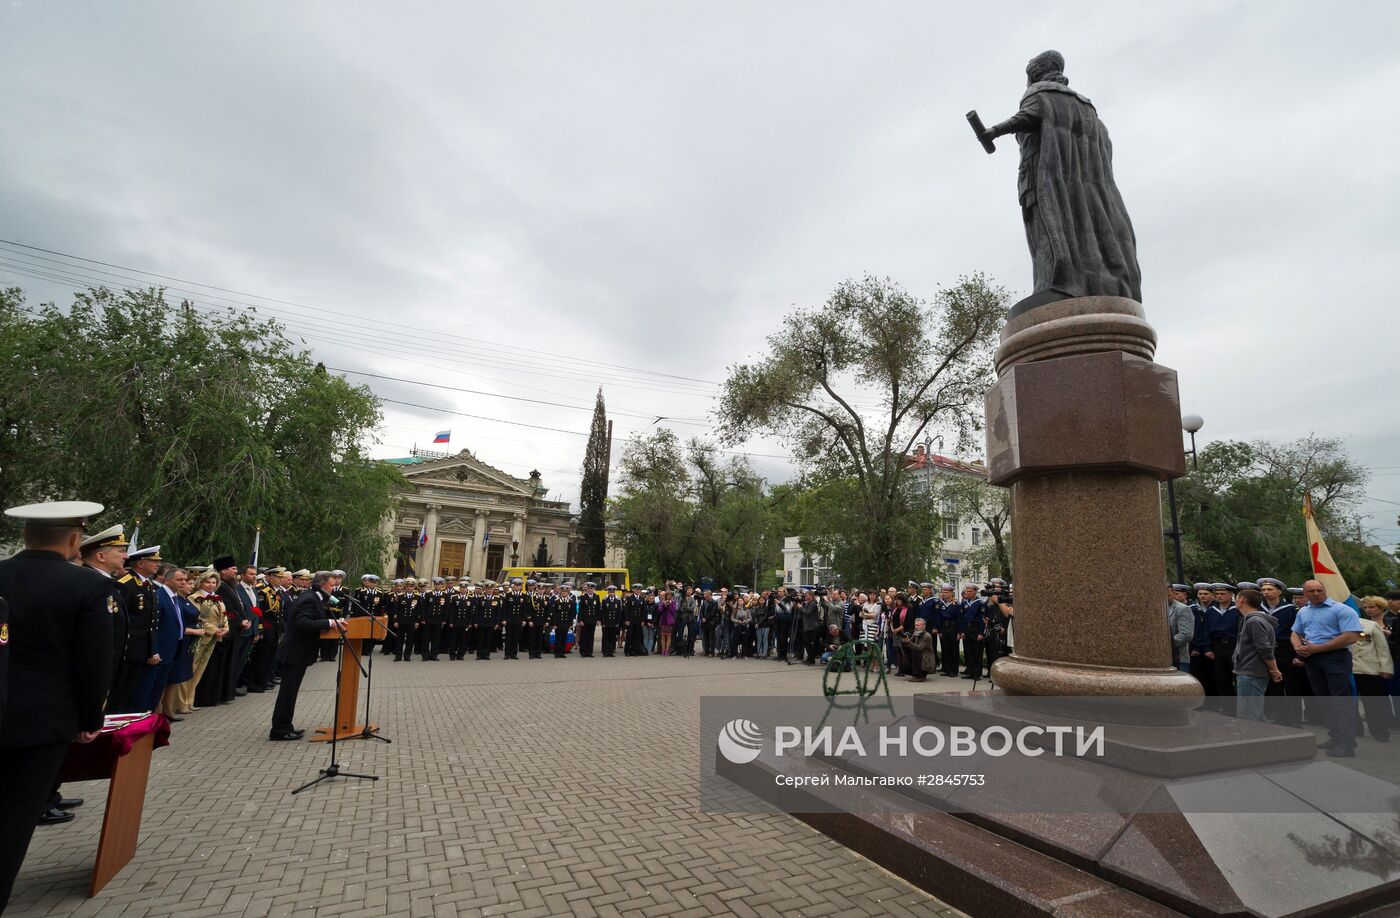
<point>135,535</point>
<point>257,543</point>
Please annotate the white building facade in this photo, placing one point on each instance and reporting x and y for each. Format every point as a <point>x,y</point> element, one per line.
<point>475,518</point>
<point>960,536</point>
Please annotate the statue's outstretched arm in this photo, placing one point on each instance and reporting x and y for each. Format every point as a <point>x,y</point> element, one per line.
<point>1024,120</point>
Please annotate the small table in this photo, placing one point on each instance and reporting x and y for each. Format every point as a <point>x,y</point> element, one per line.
<point>121,755</point>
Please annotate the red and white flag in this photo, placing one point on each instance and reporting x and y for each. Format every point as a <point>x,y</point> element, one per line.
<point>1324,568</point>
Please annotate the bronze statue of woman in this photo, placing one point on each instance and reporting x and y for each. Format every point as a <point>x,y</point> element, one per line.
<point>1078,230</point>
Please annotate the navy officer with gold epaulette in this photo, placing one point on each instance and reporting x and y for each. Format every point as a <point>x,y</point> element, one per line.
<point>59,639</point>
<point>139,596</point>
<point>105,553</point>
<point>262,664</point>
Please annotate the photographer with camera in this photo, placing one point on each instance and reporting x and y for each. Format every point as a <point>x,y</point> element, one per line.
<point>997,604</point>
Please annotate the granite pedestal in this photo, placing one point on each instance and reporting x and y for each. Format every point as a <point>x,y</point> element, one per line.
<point>1082,426</point>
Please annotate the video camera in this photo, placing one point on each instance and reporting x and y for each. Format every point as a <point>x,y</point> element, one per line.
<point>998,590</point>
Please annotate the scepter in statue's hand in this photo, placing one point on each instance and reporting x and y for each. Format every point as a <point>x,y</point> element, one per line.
<point>980,130</point>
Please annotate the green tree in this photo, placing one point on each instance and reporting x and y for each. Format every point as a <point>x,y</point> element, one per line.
<point>593,490</point>
<point>970,497</point>
<point>1241,512</point>
<point>924,364</point>
<point>683,513</point>
<point>203,426</point>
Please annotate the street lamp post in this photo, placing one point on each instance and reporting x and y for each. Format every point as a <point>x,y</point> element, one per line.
<point>514,553</point>
<point>1190,423</point>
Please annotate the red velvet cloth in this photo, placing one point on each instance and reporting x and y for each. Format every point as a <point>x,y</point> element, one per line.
<point>96,760</point>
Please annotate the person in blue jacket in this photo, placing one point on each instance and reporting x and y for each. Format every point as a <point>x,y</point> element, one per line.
<point>972,629</point>
<point>949,630</point>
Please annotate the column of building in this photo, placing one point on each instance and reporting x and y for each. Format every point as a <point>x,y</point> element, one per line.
<point>517,535</point>
<point>428,557</point>
<point>476,557</point>
<point>391,544</point>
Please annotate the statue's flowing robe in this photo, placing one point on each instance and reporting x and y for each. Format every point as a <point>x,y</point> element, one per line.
<point>1080,237</point>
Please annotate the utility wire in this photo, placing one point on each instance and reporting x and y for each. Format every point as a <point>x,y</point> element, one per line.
<point>339,314</point>
<point>342,333</point>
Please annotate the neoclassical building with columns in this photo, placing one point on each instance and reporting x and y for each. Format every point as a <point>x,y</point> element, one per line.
<point>478,520</point>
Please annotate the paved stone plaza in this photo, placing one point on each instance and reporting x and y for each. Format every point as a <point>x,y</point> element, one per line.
<point>520,788</point>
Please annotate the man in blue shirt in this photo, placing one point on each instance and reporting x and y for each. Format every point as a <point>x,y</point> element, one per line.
<point>1322,637</point>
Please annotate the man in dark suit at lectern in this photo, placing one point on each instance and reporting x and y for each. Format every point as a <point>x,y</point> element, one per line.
<point>300,647</point>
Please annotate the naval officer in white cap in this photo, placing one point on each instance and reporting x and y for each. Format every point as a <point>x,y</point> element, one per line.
<point>60,646</point>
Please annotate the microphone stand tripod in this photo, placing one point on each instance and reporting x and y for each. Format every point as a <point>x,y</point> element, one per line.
<point>333,771</point>
<point>367,732</point>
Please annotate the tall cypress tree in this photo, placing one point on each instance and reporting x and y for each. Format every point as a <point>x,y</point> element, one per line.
<point>593,491</point>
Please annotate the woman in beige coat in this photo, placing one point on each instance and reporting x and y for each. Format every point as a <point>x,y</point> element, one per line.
<point>213,621</point>
<point>1371,666</point>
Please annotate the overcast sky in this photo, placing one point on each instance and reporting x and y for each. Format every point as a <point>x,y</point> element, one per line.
<point>637,189</point>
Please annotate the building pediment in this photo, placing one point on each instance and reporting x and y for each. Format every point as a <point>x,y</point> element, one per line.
<point>454,526</point>
<point>464,471</point>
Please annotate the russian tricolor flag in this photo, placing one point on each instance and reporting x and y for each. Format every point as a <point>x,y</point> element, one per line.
<point>442,436</point>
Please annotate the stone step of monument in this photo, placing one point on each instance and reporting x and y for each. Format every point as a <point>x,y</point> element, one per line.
<point>1203,744</point>
<point>1176,841</point>
<point>969,867</point>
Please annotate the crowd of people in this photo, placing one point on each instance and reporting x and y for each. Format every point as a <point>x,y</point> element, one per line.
<point>434,620</point>
<point>101,627</point>
<point>92,627</point>
<point>1313,656</point>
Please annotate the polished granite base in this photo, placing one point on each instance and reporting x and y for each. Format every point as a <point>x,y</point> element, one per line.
<point>1205,743</point>
<point>1272,839</point>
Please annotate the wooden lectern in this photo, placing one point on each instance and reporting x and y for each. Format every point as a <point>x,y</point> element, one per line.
<point>347,711</point>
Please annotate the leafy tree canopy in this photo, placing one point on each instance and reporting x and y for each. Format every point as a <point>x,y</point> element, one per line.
<point>1241,513</point>
<point>923,365</point>
<point>685,513</point>
<point>204,427</point>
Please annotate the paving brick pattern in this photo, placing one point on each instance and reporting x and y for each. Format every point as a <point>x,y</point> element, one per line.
<point>519,788</point>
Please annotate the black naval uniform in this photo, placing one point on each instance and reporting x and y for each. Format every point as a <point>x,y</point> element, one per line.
<point>561,618</point>
<point>59,641</point>
<point>433,615</point>
<point>610,610</point>
<point>532,624</point>
<point>633,610</point>
<point>119,626</point>
<point>454,624</point>
<point>263,660</point>
<point>408,625</point>
<point>368,601</point>
<point>974,632</point>
<point>1294,686</point>
<point>512,615</point>
<point>588,612</point>
<point>488,619</point>
<point>949,621</point>
<point>473,618</point>
<point>389,606</point>
<point>139,600</point>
